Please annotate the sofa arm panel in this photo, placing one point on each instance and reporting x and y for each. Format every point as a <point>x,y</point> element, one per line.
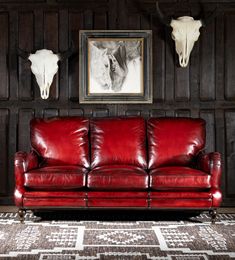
<point>216,197</point>
<point>23,162</point>
<point>211,163</point>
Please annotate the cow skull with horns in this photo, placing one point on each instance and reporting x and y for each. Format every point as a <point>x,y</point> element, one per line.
<point>185,32</point>
<point>44,65</point>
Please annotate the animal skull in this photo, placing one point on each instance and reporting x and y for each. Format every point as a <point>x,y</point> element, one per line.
<point>185,33</point>
<point>44,66</point>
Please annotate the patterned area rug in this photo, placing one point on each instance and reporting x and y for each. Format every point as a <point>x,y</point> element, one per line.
<point>62,236</point>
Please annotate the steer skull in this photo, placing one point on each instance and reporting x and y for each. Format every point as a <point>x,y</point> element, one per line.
<point>44,66</point>
<point>185,32</point>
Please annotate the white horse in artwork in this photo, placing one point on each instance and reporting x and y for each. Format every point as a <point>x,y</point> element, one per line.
<point>110,63</point>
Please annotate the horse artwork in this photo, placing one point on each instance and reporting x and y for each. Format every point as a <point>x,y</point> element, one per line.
<point>115,66</point>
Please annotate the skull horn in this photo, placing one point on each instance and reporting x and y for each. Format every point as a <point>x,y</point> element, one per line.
<point>165,20</point>
<point>206,20</point>
<point>23,54</point>
<point>66,54</point>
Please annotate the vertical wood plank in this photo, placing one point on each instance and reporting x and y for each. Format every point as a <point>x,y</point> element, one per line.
<point>122,14</point>
<point>12,148</point>
<point>38,44</point>
<point>51,42</point>
<point>64,45</point>
<point>230,151</point>
<point>25,115</point>
<point>219,58</point>
<point>158,60</point>
<point>4,114</point>
<point>100,21</point>
<point>209,117</point>
<point>26,29</point>
<point>13,58</point>
<point>170,67</point>
<point>134,22</point>
<point>182,91</point>
<point>75,24</point>
<point>194,75</point>
<point>221,144</point>
<point>113,16</point>
<point>4,32</point>
<point>229,56</point>
<point>207,84</point>
<point>38,29</point>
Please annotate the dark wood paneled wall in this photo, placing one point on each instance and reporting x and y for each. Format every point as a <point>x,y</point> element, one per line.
<point>206,88</point>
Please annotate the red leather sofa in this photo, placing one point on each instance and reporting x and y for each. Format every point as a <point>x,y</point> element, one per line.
<point>117,163</point>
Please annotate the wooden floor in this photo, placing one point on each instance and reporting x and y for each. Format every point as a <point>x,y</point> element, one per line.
<point>14,209</point>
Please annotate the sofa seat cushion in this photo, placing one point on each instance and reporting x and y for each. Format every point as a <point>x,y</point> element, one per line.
<point>177,177</point>
<point>117,177</point>
<point>56,178</point>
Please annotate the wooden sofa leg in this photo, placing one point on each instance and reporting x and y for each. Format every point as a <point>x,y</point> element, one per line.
<point>213,213</point>
<point>21,214</point>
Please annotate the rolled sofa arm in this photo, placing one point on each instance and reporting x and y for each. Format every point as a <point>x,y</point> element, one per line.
<point>211,163</point>
<point>23,162</point>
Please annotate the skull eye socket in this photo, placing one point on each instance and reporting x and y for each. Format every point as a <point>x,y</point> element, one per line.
<point>173,36</point>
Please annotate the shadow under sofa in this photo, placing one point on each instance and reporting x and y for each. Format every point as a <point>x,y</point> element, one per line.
<point>122,162</point>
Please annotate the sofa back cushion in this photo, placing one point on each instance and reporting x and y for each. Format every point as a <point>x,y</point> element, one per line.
<point>118,141</point>
<point>61,141</point>
<point>174,141</point>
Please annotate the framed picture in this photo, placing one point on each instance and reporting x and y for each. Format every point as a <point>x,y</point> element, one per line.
<point>115,66</point>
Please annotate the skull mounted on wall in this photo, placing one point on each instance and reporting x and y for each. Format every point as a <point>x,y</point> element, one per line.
<point>185,32</point>
<point>44,65</point>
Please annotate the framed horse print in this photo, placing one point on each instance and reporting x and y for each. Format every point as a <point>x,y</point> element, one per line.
<point>115,66</point>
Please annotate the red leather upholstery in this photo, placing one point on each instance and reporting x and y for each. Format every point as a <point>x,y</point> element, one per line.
<point>56,178</point>
<point>118,199</point>
<point>174,141</point>
<point>180,195</point>
<point>211,163</point>
<point>117,177</point>
<point>53,199</point>
<point>181,199</point>
<point>23,162</point>
<point>178,177</point>
<point>57,174</point>
<point>118,141</point>
<point>181,203</point>
<point>54,202</point>
<point>61,141</point>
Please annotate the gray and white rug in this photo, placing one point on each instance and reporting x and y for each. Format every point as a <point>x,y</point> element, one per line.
<point>65,237</point>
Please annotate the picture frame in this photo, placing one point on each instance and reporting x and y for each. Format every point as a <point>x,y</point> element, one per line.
<point>115,66</point>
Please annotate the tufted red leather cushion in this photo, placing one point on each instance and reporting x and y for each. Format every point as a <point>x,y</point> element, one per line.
<point>61,141</point>
<point>118,141</point>
<point>174,141</point>
<point>117,177</point>
<point>177,177</point>
<point>56,178</point>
